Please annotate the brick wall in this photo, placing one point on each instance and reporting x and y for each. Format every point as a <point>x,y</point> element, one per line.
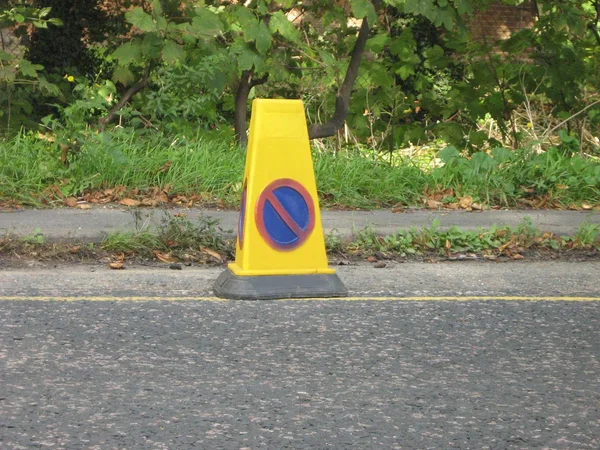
<point>500,21</point>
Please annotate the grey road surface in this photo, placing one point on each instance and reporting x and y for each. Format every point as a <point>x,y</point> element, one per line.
<point>299,374</point>
<point>94,372</point>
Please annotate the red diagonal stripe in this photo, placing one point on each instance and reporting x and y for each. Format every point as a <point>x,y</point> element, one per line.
<point>285,216</point>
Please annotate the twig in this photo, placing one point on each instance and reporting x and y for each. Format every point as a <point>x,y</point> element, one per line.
<point>553,129</point>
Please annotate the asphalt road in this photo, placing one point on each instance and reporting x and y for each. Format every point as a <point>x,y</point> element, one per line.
<point>356,374</point>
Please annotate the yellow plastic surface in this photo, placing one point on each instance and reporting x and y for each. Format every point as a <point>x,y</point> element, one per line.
<point>278,148</point>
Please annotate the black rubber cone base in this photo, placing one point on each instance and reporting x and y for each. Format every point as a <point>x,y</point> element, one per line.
<point>270,287</point>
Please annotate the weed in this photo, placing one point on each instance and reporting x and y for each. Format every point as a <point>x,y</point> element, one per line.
<point>432,240</point>
<point>588,235</point>
<point>35,238</point>
<point>334,243</point>
<point>175,237</point>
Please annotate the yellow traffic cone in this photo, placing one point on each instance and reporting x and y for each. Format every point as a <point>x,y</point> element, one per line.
<point>280,251</point>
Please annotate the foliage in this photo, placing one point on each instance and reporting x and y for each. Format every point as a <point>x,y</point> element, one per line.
<point>203,168</point>
<point>65,49</point>
<point>174,238</point>
<point>20,80</point>
<point>455,243</point>
<point>502,176</point>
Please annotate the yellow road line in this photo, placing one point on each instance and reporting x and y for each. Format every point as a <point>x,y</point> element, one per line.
<point>467,298</point>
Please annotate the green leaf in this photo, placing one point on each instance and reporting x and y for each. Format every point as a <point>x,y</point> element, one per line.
<point>248,59</point>
<point>245,17</point>
<point>152,45</point>
<point>263,39</point>
<point>7,75</point>
<point>482,161</point>
<point>140,19</point>
<point>464,6</point>
<point>172,52</point>
<point>405,71</point>
<point>449,153</point>
<point>49,88</point>
<point>157,9</point>
<point>206,24</point>
<point>377,43</point>
<point>279,23</point>
<point>261,7</point>
<point>122,75</point>
<point>128,52</point>
<point>5,56</point>
<point>44,12</point>
<point>362,9</point>
<point>435,58</point>
<point>501,154</point>
<point>28,69</point>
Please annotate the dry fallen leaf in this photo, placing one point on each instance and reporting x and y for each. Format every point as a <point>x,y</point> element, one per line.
<point>466,202</point>
<point>380,265</point>
<point>433,204</point>
<point>129,202</point>
<point>117,265</point>
<point>149,202</point>
<point>477,206</point>
<point>372,259</point>
<point>71,202</point>
<point>397,208</point>
<point>517,256</point>
<point>75,249</point>
<point>119,257</point>
<point>212,253</point>
<point>586,206</point>
<point>164,257</point>
<point>84,206</point>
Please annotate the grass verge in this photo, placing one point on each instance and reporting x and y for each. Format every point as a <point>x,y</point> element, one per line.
<point>206,169</point>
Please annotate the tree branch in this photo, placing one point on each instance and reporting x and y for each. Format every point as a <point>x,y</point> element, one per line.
<point>129,93</point>
<point>342,101</point>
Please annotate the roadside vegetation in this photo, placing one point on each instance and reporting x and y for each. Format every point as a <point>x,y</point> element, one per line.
<point>409,103</point>
<point>205,169</point>
<point>176,242</point>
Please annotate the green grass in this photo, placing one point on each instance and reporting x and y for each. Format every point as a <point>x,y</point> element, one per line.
<point>201,165</point>
<point>210,167</point>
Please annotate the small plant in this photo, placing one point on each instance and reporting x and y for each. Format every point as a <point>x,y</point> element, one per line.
<point>334,243</point>
<point>35,238</point>
<point>588,235</point>
<point>175,238</point>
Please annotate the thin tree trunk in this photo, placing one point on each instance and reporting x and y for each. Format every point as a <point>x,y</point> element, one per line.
<point>342,101</point>
<point>247,82</point>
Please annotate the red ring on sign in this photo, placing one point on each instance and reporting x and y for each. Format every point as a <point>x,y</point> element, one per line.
<point>268,195</point>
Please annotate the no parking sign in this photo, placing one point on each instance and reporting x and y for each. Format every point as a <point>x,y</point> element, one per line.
<point>281,247</point>
<point>285,214</point>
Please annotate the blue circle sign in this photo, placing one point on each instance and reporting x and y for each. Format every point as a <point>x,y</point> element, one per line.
<point>285,214</point>
<point>242,217</point>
